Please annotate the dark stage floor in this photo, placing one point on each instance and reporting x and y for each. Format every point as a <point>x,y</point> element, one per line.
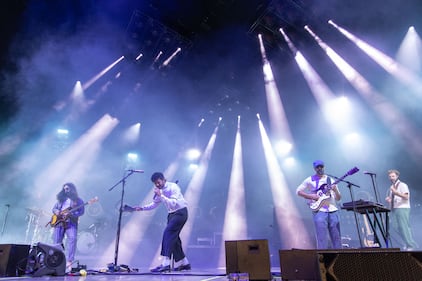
<point>193,275</point>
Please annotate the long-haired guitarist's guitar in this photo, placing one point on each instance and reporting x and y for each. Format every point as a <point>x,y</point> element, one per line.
<point>324,191</point>
<point>63,215</point>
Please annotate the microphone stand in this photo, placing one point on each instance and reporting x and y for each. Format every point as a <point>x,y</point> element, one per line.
<point>374,186</point>
<point>5,219</point>
<point>350,185</point>
<point>119,223</point>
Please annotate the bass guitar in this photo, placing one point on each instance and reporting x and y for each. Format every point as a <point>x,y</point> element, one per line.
<point>63,215</point>
<point>324,191</point>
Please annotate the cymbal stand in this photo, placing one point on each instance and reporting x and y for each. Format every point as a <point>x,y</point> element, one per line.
<point>5,219</point>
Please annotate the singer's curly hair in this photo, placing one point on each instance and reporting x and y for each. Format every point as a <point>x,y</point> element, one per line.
<point>156,176</point>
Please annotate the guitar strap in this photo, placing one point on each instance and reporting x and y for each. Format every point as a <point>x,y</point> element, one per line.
<point>328,183</point>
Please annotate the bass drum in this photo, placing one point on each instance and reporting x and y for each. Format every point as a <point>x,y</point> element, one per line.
<point>86,242</point>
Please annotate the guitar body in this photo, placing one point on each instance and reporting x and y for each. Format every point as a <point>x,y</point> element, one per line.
<point>61,218</point>
<point>54,220</point>
<point>322,200</point>
<point>324,191</point>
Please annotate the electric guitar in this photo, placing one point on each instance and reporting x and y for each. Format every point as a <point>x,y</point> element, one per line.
<point>324,191</point>
<point>63,215</point>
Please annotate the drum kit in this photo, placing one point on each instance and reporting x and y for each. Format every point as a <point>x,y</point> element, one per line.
<point>36,231</point>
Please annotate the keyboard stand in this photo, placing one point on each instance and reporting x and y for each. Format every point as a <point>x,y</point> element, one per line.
<point>375,221</point>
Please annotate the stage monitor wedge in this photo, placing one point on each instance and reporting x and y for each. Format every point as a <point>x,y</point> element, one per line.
<point>248,256</point>
<point>46,259</point>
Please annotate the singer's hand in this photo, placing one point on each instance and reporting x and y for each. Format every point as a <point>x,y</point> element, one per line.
<point>157,192</point>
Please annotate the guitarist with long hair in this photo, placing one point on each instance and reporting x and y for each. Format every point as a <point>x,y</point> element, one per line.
<point>322,197</point>
<point>66,212</point>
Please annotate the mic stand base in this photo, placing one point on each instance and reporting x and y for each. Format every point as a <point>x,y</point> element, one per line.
<point>111,267</point>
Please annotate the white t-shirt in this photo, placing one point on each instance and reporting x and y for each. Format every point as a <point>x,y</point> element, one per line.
<point>312,184</point>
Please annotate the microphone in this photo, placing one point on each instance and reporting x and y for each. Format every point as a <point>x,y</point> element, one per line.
<point>369,173</point>
<point>135,171</point>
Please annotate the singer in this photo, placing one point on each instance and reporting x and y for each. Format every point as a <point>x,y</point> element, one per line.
<point>170,194</point>
<point>318,188</point>
<point>399,199</point>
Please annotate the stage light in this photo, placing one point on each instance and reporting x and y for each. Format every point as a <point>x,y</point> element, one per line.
<point>62,132</point>
<point>193,166</point>
<point>132,157</point>
<point>284,147</point>
<point>193,154</point>
<point>201,122</point>
<point>139,56</point>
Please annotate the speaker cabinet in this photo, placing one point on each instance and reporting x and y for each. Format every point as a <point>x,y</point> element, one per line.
<point>46,259</point>
<point>357,264</point>
<point>13,259</point>
<point>248,256</point>
<point>299,265</point>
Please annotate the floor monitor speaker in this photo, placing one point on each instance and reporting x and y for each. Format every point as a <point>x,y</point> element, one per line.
<point>13,259</point>
<point>46,259</point>
<point>248,256</point>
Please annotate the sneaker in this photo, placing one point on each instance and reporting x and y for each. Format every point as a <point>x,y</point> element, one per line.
<point>183,267</point>
<point>161,268</point>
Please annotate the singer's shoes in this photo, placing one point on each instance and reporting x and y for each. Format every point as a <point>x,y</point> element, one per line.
<point>183,267</point>
<point>161,268</point>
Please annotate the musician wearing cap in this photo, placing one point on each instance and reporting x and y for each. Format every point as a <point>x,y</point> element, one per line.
<point>322,193</point>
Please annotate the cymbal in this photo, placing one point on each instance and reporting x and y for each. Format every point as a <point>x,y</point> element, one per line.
<point>36,211</point>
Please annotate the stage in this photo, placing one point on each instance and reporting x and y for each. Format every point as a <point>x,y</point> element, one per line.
<point>144,274</point>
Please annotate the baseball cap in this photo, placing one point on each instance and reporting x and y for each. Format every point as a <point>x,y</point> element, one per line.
<point>318,163</point>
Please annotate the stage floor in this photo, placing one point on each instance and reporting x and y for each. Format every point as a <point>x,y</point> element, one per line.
<point>192,275</point>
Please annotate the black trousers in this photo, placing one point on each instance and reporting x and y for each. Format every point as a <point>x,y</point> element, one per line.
<point>171,244</point>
